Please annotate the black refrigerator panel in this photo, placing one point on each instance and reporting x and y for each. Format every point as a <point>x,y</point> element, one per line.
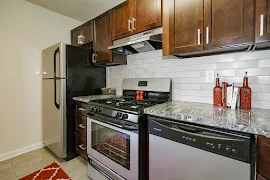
<point>83,79</point>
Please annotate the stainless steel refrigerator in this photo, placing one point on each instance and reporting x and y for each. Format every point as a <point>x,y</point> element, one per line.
<point>67,71</point>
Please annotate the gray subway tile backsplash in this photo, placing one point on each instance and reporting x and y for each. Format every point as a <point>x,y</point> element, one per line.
<point>188,75</point>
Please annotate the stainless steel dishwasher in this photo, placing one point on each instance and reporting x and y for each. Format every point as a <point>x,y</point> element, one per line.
<point>181,151</point>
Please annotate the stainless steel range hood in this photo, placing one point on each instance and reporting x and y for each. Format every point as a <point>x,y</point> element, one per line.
<point>143,42</point>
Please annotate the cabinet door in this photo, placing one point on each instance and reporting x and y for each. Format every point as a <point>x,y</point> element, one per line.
<point>102,38</point>
<point>183,26</point>
<point>263,161</point>
<point>146,15</point>
<point>74,36</point>
<point>121,21</point>
<point>259,177</point>
<point>87,32</point>
<point>262,20</point>
<point>228,22</point>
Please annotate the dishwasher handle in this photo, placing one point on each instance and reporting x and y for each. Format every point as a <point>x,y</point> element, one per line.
<point>187,129</point>
<point>193,130</point>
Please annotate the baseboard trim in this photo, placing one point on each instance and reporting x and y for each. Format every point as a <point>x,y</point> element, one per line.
<point>18,152</point>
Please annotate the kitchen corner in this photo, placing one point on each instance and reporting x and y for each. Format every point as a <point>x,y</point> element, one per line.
<point>135,90</point>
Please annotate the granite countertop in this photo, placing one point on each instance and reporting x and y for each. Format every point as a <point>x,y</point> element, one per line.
<point>254,121</point>
<point>86,99</point>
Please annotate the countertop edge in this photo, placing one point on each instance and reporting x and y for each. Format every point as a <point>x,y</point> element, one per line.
<point>206,122</point>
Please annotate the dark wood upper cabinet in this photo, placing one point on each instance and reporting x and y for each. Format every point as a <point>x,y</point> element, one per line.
<point>197,25</point>
<point>75,33</point>
<point>228,22</point>
<point>262,21</point>
<point>121,20</point>
<point>82,34</point>
<point>135,16</point>
<point>87,32</point>
<point>146,15</point>
<point>183,26</point>
<point>102,38</point>
<point>263,161</point>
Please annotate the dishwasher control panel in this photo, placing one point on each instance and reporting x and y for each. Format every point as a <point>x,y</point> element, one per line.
<point>227,144</point>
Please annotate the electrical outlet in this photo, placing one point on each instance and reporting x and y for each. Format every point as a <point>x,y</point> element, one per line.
<point>37,71</point>
<point>210,76</point>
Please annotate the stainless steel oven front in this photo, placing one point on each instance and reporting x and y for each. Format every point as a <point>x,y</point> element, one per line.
<point>112,150</point>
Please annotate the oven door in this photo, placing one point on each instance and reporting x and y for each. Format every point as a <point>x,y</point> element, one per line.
<point>114,148</point>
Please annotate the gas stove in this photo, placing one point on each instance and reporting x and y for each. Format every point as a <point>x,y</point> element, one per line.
<point>117,130</point>
<point>127,103</point>
<point>122,108</point>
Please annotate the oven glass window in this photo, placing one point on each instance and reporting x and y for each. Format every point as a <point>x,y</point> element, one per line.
<point>112,144</point>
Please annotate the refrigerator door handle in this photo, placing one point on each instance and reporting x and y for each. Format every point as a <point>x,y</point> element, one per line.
<point>54,58</point>
<point>55,78</point>
<point>55,93</point>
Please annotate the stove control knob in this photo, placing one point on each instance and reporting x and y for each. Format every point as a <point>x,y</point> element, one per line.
<point>118,115</point>
<point>93,109</point>
<point>99,110</point>
<point>125,116</point>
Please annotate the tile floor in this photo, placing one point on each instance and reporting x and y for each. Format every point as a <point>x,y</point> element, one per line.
<point>25,164</point>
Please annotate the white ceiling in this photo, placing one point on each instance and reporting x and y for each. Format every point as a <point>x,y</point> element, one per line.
<point>81,10</point>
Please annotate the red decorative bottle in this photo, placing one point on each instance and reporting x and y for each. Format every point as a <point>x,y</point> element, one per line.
<point>245,94</point>
<point>137,95</point>
<point>141,95</point>
<point>217,93</point>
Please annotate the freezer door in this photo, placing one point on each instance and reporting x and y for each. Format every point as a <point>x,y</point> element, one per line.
<point>54,115</point>
<point>54,61</point>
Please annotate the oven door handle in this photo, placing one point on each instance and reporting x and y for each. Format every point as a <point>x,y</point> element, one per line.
<point>98,166</point>
<point>111,123</point>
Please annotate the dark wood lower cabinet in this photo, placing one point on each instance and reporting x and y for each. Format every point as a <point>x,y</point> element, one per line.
<point>263,161</point>
<point>81,145</point>
<point>81,129</point>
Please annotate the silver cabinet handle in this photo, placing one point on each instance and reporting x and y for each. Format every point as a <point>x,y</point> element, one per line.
<point>129,22</point>
<point>199,37</point>
<point>95,33</point>
<point>94,58</point>
<point>261,25</point>
<point>207,35</point>
<point>82,109</point>
<point>80,39</point>
<point>81,147</point>
<point>133,23</point>
<point>82,126</point>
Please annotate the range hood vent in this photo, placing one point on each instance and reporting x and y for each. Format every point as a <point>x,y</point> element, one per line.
<point>143,42</point>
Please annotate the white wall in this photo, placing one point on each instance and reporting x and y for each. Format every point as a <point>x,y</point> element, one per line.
<point>188,75</point>
<point>25,30</point>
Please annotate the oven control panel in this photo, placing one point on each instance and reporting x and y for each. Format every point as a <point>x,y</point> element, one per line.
<point>119,115</point>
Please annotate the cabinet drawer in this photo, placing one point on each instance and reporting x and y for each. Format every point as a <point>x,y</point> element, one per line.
<point>263,162</point>
<point>81,124</point>
<point>81,145</point>
<point>81,108</point>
